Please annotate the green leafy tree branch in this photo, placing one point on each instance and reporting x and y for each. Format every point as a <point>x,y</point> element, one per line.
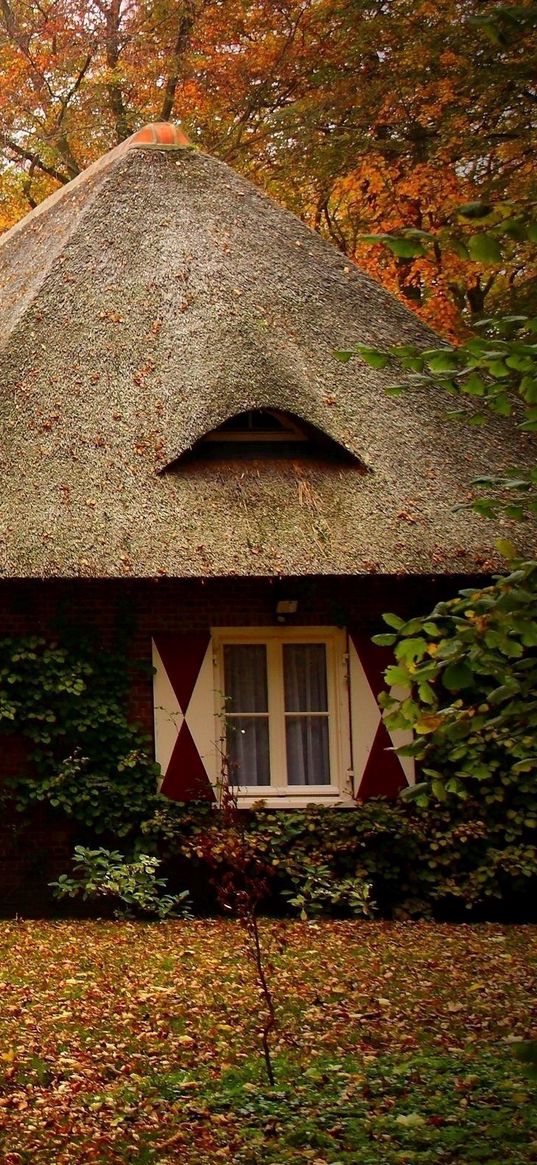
<point>470,673</point>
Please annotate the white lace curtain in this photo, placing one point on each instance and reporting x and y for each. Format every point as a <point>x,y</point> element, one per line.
<point>246,690</point>
<point>303,674</point>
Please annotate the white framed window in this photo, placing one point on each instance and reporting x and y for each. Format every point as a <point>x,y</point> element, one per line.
<point>282,706</point>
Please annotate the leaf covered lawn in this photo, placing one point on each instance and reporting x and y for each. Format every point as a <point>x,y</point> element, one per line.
<point>133,1042</point>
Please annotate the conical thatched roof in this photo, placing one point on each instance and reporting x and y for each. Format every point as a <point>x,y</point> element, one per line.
<point>158,295</point>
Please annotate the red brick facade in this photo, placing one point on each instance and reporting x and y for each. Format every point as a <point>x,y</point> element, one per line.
<point>31,854</point>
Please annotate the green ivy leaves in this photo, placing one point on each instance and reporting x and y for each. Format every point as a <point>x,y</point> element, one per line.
<point>87,759</point>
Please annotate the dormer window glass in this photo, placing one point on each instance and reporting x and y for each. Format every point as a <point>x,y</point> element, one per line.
<point>257,425</point>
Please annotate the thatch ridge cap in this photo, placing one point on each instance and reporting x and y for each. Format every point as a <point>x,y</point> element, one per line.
<point>141,139</point>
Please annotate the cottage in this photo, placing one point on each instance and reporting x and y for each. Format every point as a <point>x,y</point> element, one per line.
<point>179,442</point>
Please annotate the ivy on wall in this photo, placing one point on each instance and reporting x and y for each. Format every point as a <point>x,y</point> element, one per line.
<point>85,756</point>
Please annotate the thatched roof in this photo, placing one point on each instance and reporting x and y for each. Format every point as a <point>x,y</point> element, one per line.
<point>154,297</point>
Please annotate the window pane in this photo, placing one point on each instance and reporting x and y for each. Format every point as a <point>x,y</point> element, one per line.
<point>248,750</point>
<point>304,670</point>
<point>308,759</point>
<point>245,677</point>
<point>254,421</point>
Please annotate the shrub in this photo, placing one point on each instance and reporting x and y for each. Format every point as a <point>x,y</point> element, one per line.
<point>409,860</point>
<point>103,873</point>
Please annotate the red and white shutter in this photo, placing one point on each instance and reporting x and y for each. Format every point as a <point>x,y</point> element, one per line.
<point>378,772</point>
<point>185,725</point>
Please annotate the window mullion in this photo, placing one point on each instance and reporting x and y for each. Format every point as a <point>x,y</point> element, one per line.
<point>278,765</point>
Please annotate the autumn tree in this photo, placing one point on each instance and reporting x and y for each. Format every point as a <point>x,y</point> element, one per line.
<point>466,673</point>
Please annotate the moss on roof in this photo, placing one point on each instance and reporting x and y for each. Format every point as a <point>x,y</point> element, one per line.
<point>150,300</point>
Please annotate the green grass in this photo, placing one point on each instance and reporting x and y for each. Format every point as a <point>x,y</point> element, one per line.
<point>423,1109</point>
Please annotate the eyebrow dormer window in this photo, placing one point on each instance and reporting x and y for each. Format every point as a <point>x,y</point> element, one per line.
<point>267,434</point>
<point>266,425</point>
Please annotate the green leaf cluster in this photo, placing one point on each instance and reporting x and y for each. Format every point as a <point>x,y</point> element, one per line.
<point>503,224</point>
<point>494,370</point>
<point>132,885</point>
<point>86,758</point>
<point>470,699</point>
<point>495,374</point>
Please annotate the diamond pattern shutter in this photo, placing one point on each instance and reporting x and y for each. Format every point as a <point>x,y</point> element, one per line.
<point>185,733</point>
<point>377,771</point>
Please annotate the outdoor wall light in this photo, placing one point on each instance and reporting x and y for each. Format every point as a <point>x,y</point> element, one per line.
<point>285,607</point>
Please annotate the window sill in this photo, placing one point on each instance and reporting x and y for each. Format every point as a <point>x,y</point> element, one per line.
<point>286,800</point>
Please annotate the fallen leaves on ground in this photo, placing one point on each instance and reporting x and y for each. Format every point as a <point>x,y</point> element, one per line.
<point>140,1042</point>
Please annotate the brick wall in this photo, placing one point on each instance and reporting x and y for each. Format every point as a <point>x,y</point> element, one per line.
<point>34,853</point>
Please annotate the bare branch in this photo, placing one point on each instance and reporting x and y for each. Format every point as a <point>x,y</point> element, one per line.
<point>34,159</point>
<point>180,48</point>
<point>64,101</point>
<point>27,188</point>
<point>333,230</point>
<point>67,156</point>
